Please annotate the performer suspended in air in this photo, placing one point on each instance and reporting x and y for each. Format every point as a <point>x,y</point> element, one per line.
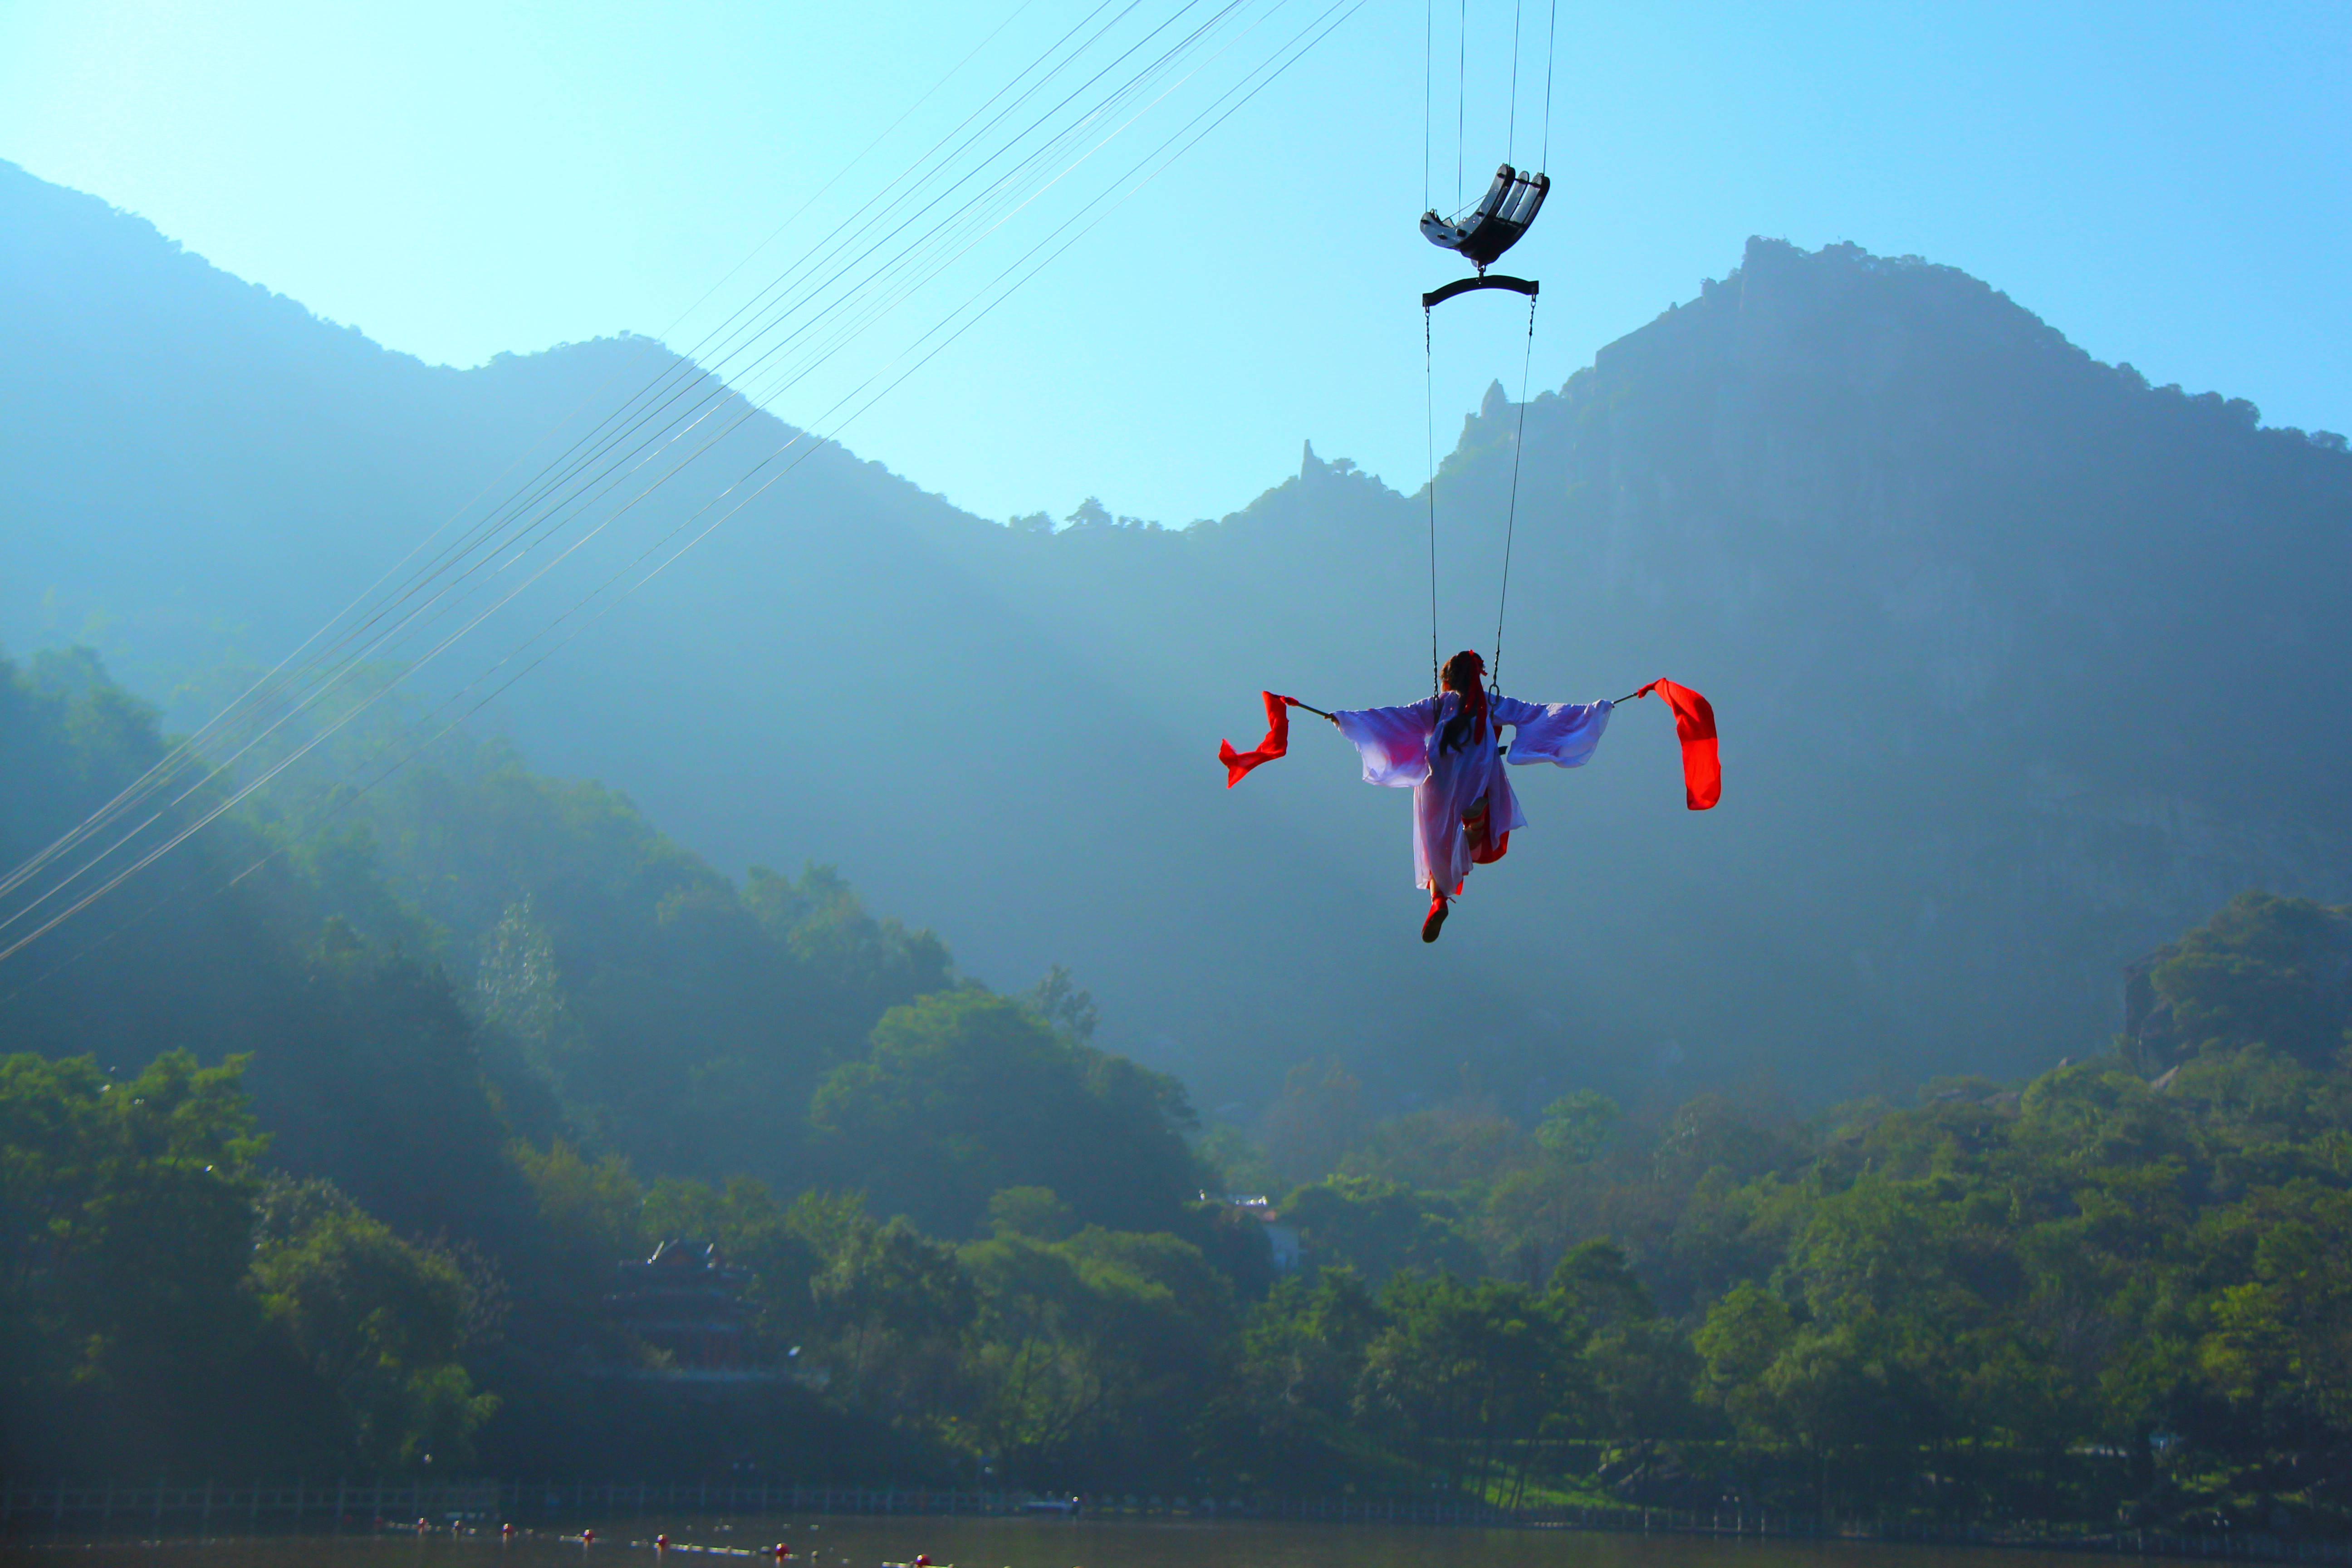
<point>1448,748</point>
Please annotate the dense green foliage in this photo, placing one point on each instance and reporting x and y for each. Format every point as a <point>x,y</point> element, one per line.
<point>2265,971</point>
<point>125,1206</point>
<point>426,1010</point>
<point>381,1323</point>
<point>417,1087</point>
<point>965,1095</point>
<point>2096,1292</point>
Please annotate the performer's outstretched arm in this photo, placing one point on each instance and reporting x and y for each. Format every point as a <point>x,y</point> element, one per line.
<point>1394,740</point>
<point>1564,733</point>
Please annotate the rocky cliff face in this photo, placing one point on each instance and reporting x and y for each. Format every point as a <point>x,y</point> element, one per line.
<point>2032,663</point>
<point>2023,668</point>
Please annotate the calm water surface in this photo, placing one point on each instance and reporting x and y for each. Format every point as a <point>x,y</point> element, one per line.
<point>1022,1543</point>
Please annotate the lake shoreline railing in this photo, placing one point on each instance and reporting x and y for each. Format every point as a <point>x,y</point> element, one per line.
<point>166,1510</point>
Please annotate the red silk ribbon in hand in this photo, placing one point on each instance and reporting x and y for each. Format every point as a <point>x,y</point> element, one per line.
<point>1277,742</point>
<point>1694,723</point>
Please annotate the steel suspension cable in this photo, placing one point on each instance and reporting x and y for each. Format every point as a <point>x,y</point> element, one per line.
<point>339,724</point>
<point>1461,98</point>
<point>689,374</point>
<point>686,371</point>
<point>1054,243</point>
<point>749,408</point>
<point>1552,38</point>
<point>86,830</point>
<point>342,800</point>
<point>275,678</point>
<point>1429,433</point>
<point>841,173</point>
<point>687,367</point>
<point>1511,127</point>
<point>341,677</point>
<point>912,261</point>
<point>1511,523</point>
<point>1049,247</point>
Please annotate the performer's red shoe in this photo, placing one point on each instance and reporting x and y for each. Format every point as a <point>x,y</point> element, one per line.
<point>1436,920</point>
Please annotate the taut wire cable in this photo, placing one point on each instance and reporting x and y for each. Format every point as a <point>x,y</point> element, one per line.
<point>492,527</point>
<point>1241,94</point>
<point>484,542</point>
<point>279,676</point>
<point>1510,526</point>
<point>1461,98</point>
<point>1511,127</point>
<point>1429,430</point>
<point>1551,37</point>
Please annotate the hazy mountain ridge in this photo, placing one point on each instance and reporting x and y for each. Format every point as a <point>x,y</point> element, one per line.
<point>250,449</point>
<point>1997,634</point>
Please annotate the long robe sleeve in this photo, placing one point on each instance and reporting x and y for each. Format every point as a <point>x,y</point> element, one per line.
<point>1394,740</point>
<point>1563,733</point>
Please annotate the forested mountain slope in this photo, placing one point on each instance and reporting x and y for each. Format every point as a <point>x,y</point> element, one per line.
<point>2022,666</point>
<point>295,1167</point>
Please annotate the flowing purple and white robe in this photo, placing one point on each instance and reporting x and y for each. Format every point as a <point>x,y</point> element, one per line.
<point>1403,747</point>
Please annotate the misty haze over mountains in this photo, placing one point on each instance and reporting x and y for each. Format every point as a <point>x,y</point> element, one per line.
<point>2023,667</point>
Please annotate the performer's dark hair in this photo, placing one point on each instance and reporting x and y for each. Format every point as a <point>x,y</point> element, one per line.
<point>1461,674</point>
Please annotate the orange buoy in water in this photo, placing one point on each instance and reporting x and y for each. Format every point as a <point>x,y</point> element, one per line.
<point>661,1543</point>
<point>588,1537</point>
<point>422,1524</point>
<point>506,1531</point>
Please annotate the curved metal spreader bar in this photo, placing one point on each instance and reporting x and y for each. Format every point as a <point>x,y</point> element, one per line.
<point>1436,296</point>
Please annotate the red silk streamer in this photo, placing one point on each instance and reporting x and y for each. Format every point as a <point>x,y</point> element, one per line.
<point>1694,723</point>
<point>1277,742</point>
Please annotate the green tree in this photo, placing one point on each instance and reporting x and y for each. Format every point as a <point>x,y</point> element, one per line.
<point>1466,1375</point>
<point>1033,1212</point>
<point>1064,1005</point>
<point>890,1309</point>
<point>594,1208</point>
<point>1577,1127</point>
<point>2279,1345</point>
<point>1639,1368</point>
<point>1313,1121</point>
<point>1379,1229</point>
<point>125,1206</point>
<point>2266,971</point>
<point>1743,1337</point>
<point>965,1094</point>
<point>381,1321</point>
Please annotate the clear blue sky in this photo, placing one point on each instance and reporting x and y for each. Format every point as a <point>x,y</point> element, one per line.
<point>2165,183</point>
